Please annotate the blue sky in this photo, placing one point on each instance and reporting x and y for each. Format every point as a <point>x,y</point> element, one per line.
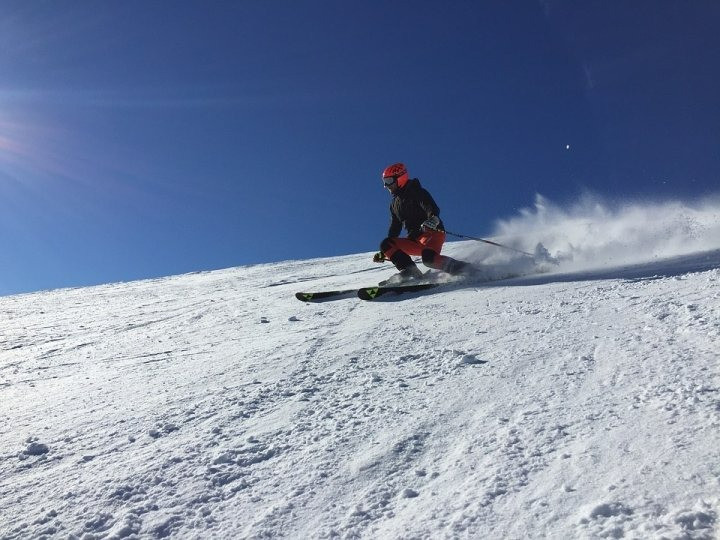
<point>142,139</point>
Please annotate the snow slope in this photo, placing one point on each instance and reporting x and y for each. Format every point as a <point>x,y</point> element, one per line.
<point>579,404</point>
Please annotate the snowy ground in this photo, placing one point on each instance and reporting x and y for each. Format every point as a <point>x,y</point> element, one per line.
<point>216,405</point>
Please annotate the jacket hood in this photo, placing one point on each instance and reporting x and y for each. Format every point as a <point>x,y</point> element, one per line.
<point>412,185</point>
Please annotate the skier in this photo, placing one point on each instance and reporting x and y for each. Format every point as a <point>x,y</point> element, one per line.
<point>413,207</point>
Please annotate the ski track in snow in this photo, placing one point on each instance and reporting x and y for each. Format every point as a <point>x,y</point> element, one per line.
<point>216,405</point>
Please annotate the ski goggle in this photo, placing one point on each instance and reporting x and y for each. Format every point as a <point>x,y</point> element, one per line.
<point>389,180</point>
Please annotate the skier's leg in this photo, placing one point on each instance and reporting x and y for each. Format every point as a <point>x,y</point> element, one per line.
<point>433,242</point>
<point>398,251</point>
<point>432,259</point>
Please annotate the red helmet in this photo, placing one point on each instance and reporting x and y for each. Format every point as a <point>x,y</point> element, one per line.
<point>397,171</point>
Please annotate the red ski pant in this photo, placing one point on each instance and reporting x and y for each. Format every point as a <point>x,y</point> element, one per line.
<point>428,240</point>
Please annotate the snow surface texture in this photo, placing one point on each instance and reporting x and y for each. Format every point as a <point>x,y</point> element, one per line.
<point>581,404</point>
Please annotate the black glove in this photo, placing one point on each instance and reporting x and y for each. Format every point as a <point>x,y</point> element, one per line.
<point>431,223</point>
<point>379,257</point>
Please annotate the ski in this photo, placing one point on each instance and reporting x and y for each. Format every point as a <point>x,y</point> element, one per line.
<point>324,296</point>
<point>371,293</point>
<point>364,293</point>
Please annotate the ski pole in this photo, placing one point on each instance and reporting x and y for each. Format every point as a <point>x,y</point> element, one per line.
<point>489,242</point>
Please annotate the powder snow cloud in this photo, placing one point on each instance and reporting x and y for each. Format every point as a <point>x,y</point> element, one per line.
<point>595,233</point>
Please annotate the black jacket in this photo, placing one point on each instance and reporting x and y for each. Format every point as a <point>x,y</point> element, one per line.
<point>411,206</point>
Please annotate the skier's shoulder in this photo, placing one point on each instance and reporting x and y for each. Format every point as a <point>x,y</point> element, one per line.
<point>412,190</point>
<point>413,185</point>
<point>416,191</point>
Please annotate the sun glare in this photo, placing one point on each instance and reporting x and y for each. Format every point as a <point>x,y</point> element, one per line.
<point>25,146</point>
<point>13,151</point>
<point>7,144</point>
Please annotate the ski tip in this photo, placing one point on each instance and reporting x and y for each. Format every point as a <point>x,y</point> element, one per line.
<point>368,293</point>
<point>324,296</point>
<point>371,293</point>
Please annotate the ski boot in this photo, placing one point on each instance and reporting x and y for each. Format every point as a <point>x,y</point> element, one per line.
<point>406,275</point>
<point>457,268</point>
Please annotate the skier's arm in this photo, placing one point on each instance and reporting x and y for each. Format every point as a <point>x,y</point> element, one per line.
<point>427,203</point>
<point>395,225</point>
<point>432,210</point>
